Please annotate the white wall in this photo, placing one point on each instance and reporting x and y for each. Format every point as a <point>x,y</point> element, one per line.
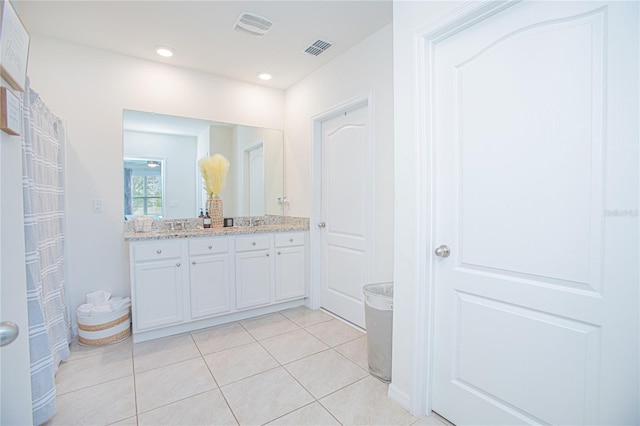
<point>89,88</point>
<point>178,154</point>
<point>221,142</point>
<point>364,69</point>
<point>202,150</point>
<point>273,170</point>
<point>408,18</point>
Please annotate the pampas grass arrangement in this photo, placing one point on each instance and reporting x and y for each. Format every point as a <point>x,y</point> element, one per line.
<point>214,172</point>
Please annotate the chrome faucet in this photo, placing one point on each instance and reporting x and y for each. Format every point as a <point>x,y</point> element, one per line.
<point>176,225</point>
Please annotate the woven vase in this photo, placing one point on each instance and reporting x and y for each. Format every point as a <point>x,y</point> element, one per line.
<point>214,205</point>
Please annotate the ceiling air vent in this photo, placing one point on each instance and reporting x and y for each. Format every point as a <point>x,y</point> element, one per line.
<point>252,24</point>
<point>318,47</point>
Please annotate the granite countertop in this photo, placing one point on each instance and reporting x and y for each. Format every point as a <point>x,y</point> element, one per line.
<point>214,232</point>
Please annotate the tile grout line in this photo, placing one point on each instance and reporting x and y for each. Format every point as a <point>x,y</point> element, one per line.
<point>224,397</point>
<point>279,365</point>
<point>283,365</point>
<point>135,389</point>
<point>318,400</point>
<point>73,361</point>
<point>329,348</point>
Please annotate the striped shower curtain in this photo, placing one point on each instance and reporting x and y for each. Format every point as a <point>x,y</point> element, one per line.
<point>43,189</point>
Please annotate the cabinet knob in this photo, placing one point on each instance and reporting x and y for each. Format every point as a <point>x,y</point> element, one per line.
<point>267,254</point>
<point>290,240</point>
<point>158,251</point>
<point>253,243</point>
<point>193,262</point>
<point>278,253</point>
<point>178,264</point>
<point>210,247</point>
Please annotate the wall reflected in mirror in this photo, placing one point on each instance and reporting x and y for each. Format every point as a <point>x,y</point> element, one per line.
<point>254,184</point>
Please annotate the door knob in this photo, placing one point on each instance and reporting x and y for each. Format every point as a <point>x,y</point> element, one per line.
<point>8,332</point>
<point>322,225</point>
<point>443,251</point>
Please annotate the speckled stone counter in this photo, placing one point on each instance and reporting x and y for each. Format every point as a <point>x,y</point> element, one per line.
<point>161,229</point>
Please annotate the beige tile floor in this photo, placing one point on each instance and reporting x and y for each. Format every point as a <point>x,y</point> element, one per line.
<point>294,367</point>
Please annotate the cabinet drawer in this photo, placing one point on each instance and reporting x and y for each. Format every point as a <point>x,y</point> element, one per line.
<point>156,251</point>
<point>287,240</point>
<point>208,245</point>
<point>254,242</point>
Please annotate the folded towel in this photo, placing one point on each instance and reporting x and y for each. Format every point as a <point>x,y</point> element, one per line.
<point>102,308</point>
<point>85,310</point>
<point>98,297</point>
<point>100,303</point>
<point>118,303</point>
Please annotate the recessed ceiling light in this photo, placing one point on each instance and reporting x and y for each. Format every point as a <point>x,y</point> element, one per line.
<point>264,76</point>
<point>167,52</point>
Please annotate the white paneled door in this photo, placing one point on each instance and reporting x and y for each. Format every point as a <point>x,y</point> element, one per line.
<point>346,213</point>
<point>256,181</point>
<point>535,121</point>
<point>15,365</point>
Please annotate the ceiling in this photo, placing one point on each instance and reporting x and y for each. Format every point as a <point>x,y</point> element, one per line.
<point>201,32</point>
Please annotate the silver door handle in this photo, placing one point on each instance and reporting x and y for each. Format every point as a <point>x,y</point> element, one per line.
<point>443,251</point>
<point>8,332</point>
<point>322,225</point>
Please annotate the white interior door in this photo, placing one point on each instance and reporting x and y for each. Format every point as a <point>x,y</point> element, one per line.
<point>15,366</point>
<point>346,213</point>
<point>256,181</point>
<point>536,149</point>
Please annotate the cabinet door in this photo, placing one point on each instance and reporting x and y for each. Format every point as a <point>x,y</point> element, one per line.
<point>253,279</point>
<point>157,294</point>
<point>210,285</point>
<point>290,273</point>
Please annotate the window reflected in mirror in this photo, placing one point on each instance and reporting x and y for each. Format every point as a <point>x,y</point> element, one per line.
<point>143,189</point>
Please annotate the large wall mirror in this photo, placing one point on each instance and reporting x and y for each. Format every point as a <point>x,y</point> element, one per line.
<point>161,174</point>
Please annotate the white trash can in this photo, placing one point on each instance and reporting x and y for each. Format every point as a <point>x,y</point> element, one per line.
<point>378,314</point>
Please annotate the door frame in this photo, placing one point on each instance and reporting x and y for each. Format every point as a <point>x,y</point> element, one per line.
<point>425,41</point>
<point>315,239</point>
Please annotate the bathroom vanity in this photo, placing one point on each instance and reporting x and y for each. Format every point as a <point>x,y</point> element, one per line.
<point>195,278</point>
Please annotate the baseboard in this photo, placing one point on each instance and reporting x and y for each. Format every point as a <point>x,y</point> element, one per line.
<point>142,336</point>
<point>400,397</point>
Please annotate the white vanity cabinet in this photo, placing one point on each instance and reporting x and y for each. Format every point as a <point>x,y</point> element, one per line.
<point>290,270</point>
<point>185,283</point>
<point>210,276</point>
<point>253,271</point>
<point>159,274</point>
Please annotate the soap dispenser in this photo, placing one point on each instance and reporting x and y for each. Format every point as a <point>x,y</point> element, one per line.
<point>207,221</point>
